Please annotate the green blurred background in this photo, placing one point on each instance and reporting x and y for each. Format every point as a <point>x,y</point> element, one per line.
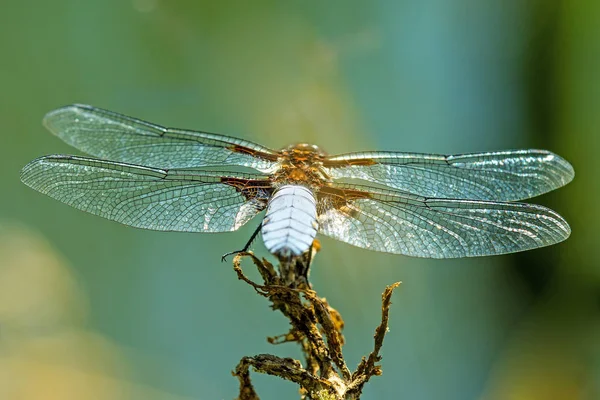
<point>90,309</point>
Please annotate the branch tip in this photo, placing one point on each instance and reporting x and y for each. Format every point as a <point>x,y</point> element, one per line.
<point>317,328</point>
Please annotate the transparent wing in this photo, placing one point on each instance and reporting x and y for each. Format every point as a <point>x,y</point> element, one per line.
<point>402,223</point>
<point>165,200</point>
<point>116,137</point>
<point>499,176</point>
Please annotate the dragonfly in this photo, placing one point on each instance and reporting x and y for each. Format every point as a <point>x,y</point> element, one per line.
<point>423,205</point>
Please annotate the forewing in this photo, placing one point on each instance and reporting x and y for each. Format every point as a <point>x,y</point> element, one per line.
<point>150,198</point>
<point>499,176</point>
<point>402,223</point>
<point>116,137</point>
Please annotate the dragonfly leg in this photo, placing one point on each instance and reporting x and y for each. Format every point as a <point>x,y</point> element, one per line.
<point>246,247</point>
<point>302,265</point>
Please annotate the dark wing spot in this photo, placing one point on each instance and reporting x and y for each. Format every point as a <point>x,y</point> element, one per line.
<point>251,189</point>
<point>236,148</point>
<point>350,162</point>
<point>341,198</point>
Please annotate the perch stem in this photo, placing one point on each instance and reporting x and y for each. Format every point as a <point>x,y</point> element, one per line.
<point>317,327</point>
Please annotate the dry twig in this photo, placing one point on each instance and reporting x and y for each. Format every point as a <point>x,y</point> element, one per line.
<point>317,327</point>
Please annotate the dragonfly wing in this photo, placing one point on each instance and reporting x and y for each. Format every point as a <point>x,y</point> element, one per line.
<point>150,198</point>
<point>498,176</point>
<point>112,136</point>
<point>403,223</point>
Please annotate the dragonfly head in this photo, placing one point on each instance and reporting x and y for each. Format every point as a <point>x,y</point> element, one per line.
<point>303,150</point>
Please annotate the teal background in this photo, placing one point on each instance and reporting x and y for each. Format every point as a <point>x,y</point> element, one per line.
<point>92,309</point>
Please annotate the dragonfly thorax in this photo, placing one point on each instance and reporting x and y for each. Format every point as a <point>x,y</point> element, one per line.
<point>302,164</point>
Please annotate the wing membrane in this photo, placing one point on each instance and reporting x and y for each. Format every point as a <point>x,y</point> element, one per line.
<point>498,176</point>
<point>116,137</point>
<point>402,223</point>
<point>150,198</point>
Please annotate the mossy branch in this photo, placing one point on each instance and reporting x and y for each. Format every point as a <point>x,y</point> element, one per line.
<point>317,327</point>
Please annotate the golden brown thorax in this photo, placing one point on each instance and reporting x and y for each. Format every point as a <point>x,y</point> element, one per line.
<point>302,164</point>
